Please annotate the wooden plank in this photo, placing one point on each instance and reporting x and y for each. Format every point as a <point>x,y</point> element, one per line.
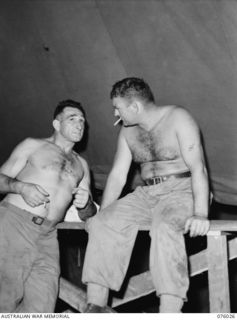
<point>215,225</point>
<point>138,286</point>
<point>75,296</point>
<point>218,276</point>
<point>72,295</point>
<point>223,225</point>
<point>71,225</point>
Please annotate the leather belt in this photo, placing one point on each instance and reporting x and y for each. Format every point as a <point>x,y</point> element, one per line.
<point>43,221</point>
<point>160,179</point>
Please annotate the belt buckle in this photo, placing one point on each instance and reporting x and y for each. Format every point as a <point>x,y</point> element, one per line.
<point>38,220</point>
<point>158,180</point>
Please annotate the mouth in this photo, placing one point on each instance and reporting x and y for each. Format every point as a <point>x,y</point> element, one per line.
<point>117,122</point>
<point>77,133</point>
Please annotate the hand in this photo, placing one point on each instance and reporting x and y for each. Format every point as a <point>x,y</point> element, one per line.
<point>197,226</point>
<point>34,195</point>
<point>81,197</point>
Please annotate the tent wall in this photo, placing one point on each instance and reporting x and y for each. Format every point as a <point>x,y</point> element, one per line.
<point>185,49</point>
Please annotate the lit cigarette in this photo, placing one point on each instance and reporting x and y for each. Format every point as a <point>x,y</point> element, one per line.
<point>115,124</point>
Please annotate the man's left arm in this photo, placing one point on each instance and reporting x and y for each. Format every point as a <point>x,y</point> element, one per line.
<point>82,195</point>
<point>188,135</point>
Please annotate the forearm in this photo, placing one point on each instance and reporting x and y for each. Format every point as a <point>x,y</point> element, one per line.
<point>200,187</point>
<point>10,185</point>
<point>113,189</point>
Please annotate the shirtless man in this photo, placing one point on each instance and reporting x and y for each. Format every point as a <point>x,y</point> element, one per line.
<point>165,141</point>
<point>40,178</point>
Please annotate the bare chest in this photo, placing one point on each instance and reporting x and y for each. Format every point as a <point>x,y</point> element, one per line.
<point>55,164</point>
<point>157,145</point>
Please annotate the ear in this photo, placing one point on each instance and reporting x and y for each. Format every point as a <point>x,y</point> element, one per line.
<point>56,124</point>
<point>136,107</point>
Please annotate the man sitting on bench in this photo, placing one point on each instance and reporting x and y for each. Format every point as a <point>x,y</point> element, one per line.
<point>165,141</point>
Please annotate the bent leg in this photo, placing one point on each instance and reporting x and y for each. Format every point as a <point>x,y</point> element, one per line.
<point>112,233</point>
<point>168,260</point>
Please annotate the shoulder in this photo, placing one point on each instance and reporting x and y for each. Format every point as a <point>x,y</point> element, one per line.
<point>182,117</point>
<point>180,113</point>
<point>81,160</point>
<point>30,144</point>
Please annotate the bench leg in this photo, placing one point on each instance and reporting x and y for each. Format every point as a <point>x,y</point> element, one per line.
<point>218,277</point>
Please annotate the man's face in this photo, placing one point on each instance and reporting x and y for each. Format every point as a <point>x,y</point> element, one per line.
<point>122,109</point>
<point>72,124</point>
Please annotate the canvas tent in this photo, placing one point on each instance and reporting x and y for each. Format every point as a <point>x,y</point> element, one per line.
<point>57,49</point>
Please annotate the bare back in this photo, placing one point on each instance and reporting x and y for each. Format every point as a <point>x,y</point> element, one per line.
<point>157,151</point>
<point>55,171</point>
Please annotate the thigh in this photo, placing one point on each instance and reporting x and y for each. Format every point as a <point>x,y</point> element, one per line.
<point>41,287</point>
<point>131,209</point>
<point>173,210</point>
<point>15,263</point>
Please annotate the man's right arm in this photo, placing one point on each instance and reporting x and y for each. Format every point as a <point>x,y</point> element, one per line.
<point>118,174</point>
<point>32,194</point>
<point>10,169</point>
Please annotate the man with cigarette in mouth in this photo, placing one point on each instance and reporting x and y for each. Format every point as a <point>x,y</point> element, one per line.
<point>41,178</point>
<point>174,200</point>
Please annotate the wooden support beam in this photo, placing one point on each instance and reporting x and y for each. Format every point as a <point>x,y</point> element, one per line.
<point>141,285</point>
<point>138,286</point>
<point>75,296</point>
<point>71,225</point>
<point>72,295</point>
<point>218,276</point>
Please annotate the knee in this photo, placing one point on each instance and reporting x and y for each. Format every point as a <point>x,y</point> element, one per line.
<point>161,228</point>
<point>93,223</point>
<point>98,221</point>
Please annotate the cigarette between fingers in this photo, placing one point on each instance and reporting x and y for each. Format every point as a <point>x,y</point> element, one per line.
<point>116,122</point>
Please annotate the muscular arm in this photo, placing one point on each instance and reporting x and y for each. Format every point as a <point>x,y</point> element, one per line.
<point>32,194</point>
<point>192,152</point>
<point>118,174</point>
<point>10,169</point>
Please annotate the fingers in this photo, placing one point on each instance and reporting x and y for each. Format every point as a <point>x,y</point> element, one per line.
<point>197,226</point>
<point>41,190</point>
<point>35,195</point>
<point>81,197</point>
<point>187,225</point>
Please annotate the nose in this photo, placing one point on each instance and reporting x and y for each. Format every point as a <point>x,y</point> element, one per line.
<point>116,113</point>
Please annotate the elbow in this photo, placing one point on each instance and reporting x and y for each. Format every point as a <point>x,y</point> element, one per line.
<point>199,170</point>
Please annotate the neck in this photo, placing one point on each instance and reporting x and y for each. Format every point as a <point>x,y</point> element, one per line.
<point>63,144</point>
<point>150,118</point>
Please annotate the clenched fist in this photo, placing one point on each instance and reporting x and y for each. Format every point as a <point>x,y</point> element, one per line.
<point>81,197</point>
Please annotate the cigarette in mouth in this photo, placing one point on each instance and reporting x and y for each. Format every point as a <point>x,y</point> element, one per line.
<point>115,124</point>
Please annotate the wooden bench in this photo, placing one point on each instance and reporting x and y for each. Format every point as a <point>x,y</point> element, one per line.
<point>214,259</point>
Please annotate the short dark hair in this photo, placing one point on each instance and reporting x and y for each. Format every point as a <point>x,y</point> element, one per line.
<point>68,103</point>
<point>132,87</point>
